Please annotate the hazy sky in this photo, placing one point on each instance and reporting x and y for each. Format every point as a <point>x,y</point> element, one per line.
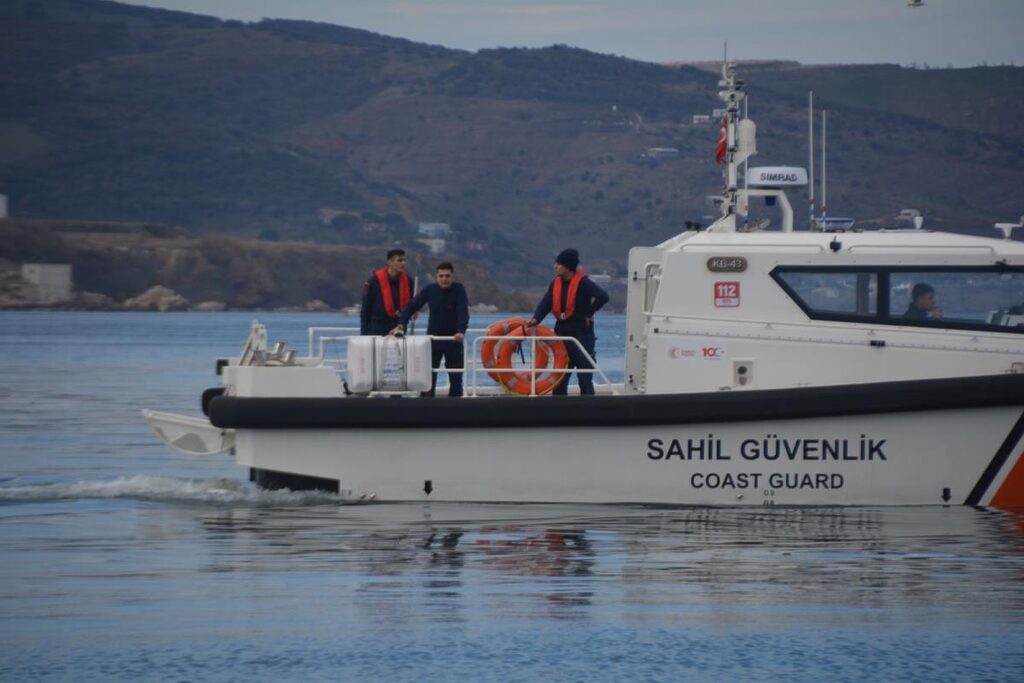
<point>942,32</point>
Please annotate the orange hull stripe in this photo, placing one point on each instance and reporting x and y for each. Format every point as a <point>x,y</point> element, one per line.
<point>1011,493</point>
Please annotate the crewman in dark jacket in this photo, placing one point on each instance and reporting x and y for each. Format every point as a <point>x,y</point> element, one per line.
<point>922,303</point>
<point>385,294</point>
<point>449,317</point>
<point>574,299</point>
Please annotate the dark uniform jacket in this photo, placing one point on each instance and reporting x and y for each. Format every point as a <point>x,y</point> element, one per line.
<point>915,313</point>
<point>449,309</point>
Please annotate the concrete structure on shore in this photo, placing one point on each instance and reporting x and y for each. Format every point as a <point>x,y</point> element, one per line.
<point>48,283</point>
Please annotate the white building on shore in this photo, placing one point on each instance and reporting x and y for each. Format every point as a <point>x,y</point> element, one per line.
<point>48,282</point>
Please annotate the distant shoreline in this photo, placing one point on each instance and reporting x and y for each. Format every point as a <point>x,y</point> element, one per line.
<point>337,312</point>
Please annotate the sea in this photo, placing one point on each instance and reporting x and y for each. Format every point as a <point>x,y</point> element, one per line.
<point>121,560</point>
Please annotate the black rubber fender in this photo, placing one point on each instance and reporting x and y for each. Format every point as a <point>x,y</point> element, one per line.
<point>233,412</point>
<point>209,395</point>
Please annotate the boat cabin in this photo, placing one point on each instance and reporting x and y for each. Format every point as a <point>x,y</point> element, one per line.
<point>733,311</point>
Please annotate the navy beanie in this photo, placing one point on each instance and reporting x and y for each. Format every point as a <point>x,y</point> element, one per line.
<point>570,258</point>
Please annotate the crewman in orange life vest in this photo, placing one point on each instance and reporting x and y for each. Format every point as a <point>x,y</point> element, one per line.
<point>573,298</point>
<point>385,294</point>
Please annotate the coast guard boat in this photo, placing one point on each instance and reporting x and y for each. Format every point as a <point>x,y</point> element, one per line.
<point>761,368</point>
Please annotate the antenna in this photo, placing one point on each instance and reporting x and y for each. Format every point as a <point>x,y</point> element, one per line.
<point>824,200</point>
<point>731,148</point>
<point>746,197</point>
<point>810,154</point>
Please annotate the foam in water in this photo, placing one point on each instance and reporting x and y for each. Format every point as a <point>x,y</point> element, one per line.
<point>168,489</point>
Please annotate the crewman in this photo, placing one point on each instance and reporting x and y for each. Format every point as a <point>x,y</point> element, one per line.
<point>573,298</point>
<point>922,303</point>
<point>385,294</point>
<point>449,317</point>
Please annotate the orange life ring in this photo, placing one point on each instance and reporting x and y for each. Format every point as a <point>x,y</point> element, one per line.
<point>488,350</point>
<point>496,355</point>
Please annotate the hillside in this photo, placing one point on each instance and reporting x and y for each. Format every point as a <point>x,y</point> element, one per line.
<point>121,261</point>
<point>295,131</point>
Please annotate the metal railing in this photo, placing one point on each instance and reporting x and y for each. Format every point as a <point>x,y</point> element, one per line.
<point>320,338</point>
<point>314,338</point>
<point>531,370</point>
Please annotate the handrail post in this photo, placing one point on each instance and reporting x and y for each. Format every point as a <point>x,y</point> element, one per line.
<point>533,365</point>
<point>475,342</point>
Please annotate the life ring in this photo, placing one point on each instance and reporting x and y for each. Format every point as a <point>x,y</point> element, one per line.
<point>549,355</point>
<point>488,350</point>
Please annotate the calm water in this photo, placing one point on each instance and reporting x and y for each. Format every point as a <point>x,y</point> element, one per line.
<point>122,560</point>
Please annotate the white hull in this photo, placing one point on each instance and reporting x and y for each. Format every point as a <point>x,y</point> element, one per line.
<point>918,458</point>
<point>191,435</point>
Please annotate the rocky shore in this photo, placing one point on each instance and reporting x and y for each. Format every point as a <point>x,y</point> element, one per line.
<point>143,267</point>
<point>157,298</point>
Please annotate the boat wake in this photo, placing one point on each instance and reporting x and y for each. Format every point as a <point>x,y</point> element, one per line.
<point>168,489</point>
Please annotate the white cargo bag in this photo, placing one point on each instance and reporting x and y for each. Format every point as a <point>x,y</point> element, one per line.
<point>388,364</point>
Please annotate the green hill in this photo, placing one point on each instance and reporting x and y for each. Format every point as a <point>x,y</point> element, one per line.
<point>297,131</point>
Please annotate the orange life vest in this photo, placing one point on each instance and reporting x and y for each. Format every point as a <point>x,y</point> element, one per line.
<point>404,292</point>
<point>557,308</point>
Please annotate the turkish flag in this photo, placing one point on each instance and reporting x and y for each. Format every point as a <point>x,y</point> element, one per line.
<point>722,136</point>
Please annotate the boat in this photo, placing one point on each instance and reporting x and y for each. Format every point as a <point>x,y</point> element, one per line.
<point>834,223</point>
<point>761,368</point>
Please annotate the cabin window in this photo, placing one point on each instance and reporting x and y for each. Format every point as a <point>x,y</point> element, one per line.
<point>834,293</point>
<point>954,297</point>
<point>988,297</point>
